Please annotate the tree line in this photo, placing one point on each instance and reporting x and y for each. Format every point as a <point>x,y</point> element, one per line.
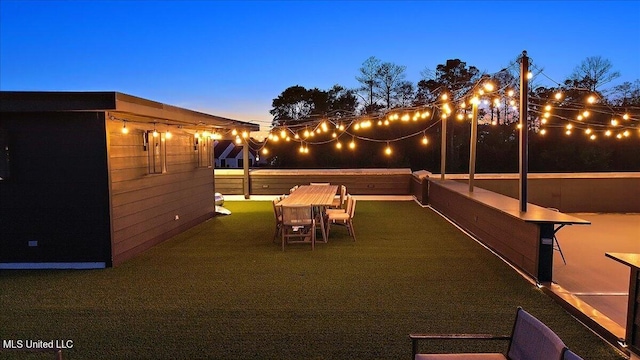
<point>383,87</point>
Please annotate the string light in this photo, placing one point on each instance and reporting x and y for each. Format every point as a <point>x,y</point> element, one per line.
<point>124,128</point>
<point>387,150</point>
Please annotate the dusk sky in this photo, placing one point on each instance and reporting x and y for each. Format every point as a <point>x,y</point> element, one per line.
<point>232,58</point>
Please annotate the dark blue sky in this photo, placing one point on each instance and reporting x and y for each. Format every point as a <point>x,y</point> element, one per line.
<point>233,58</point>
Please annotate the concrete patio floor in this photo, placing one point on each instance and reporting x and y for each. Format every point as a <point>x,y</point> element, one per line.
<point>598,281</point>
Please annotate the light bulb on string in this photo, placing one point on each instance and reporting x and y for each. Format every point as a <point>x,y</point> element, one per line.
<point>124,128</point>
<point>338,145</point>
<point>425,140</point>
<point>387,150</point>
<point>168,134</point>
<point>352,144</point>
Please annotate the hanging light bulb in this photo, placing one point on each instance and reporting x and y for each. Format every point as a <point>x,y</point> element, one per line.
<point>591,99</point>
<point>352,144</point>
<point>387,150</point>
<point>234,132</point>
<point>265,151</point>
<point>168,134</point>
<point>425,140</point>
<point>124,128</point>
<point>558,95</point>
<point>543,131</point>
<point>338,145</point>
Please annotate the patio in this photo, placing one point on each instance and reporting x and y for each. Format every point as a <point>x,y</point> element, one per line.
<point>224,290</point>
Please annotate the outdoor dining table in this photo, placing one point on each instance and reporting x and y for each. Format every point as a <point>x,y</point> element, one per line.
<point>318,196</point>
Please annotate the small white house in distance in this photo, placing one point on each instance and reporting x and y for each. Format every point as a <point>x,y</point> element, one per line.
<point>228,155</point>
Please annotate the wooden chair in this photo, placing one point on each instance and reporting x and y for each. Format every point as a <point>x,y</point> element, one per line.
<point>277,212</point>
<point>298,222</point>
<point>343,217</point>
<point>339,201</point>
<point>530,339</point>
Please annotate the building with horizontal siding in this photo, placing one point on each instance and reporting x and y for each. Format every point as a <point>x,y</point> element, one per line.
<point>91,179</point>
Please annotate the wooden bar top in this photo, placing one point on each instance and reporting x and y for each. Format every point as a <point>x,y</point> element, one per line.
<point>317,195</point>
<point>511,206</point>
<point>629,259</point>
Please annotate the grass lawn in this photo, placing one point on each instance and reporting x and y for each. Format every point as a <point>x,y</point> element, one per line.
<point>224,290</point>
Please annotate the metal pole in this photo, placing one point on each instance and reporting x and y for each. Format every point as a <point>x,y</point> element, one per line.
<point>472,145</point>
<point>245,166</point>
<point>443,148</point>
<point>524,129</point>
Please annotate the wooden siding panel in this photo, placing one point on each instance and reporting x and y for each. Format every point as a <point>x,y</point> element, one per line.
<point>144,206</point>
<point>512,238</point>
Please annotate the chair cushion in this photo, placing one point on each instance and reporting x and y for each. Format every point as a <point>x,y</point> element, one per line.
<point>339,216</point>
<point>570,355</point>
<point>487,356</point>
<point>533,340</point>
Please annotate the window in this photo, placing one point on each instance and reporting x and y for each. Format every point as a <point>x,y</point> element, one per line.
<point>157,152</point>
<point>204,150</point>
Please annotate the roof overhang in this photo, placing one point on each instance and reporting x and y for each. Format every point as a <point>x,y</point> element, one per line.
<point>118,105</point>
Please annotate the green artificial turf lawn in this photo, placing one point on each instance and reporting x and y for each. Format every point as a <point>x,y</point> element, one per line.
<point>224,290</point>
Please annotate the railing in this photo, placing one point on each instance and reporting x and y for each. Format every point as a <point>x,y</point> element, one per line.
<point>581,192</point>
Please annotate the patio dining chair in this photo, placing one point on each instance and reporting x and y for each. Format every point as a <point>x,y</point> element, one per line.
<point>298,223</point>
<point>339,200</point>
<point>570,355</point>
<point>530,339</point>
<point>277,212</point>
<point>343,217</point>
